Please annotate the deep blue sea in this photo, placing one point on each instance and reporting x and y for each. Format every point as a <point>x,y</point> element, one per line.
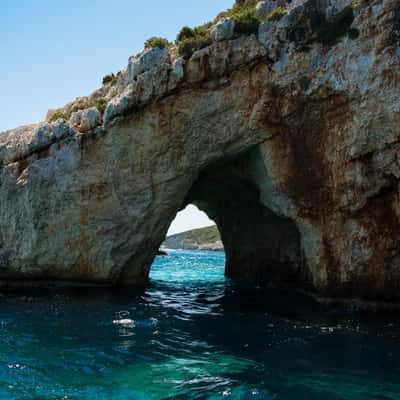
<point>192,334</point>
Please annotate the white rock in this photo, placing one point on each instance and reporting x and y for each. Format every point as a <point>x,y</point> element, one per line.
<point>223,29</point>
<point>146,61</point>
<point>120,104</point>
<point>85,120</point>
<point>177,74</point>
<point>42,136</point>
<point>60,129</point>
<point>178,68</point>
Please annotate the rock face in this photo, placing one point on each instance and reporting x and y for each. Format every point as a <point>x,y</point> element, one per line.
<point>290,141</point>
<point>265,7</point>
<point>85,120</point>
<point>223,30</point>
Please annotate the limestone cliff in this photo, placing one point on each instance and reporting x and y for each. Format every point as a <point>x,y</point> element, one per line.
<point>287,138</point>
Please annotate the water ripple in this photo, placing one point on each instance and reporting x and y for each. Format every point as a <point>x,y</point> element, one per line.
<point>192,334</point>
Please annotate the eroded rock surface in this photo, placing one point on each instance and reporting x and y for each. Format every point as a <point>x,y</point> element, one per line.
<point>290,140</point>
<point>223,30</point>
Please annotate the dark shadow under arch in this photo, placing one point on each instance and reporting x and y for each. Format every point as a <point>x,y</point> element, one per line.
<point>258,243</point>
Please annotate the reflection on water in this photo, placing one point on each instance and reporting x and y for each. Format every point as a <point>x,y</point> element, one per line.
<point>192,335</point>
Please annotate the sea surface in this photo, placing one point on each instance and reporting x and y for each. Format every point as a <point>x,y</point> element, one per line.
<point>192,334</point>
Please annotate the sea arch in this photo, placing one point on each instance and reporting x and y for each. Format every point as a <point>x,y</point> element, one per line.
<point>285,134</point>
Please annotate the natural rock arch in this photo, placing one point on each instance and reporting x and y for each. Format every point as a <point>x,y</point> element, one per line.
<point>259,244</point>
<point>296,137</point>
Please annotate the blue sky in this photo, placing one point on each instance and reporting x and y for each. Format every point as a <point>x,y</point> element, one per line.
<point>54,50</point>
<point>191,217</point>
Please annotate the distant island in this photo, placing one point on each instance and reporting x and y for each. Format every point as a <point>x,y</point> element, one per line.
<point>196,239</point>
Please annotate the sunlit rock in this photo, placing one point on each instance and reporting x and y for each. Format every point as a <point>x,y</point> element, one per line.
<point>85,120</point>
<point>223,29</point>
<point>147,61</point>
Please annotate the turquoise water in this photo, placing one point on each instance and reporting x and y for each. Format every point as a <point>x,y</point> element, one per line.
<point>191,334</point>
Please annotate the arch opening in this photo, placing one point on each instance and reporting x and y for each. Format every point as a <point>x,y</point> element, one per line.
<point>188,219</point>
<point>192,229</point>
<point>192,252</point>
<point>259,244</point>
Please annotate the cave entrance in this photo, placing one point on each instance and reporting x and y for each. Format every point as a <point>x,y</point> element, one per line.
<point>193,229</point>
<point>259,243</point>
<point>192,251</point>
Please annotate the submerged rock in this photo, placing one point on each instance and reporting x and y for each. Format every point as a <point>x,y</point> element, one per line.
<point>288,140</point>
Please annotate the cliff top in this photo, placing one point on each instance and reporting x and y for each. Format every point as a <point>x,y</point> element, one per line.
<point>247,32</point>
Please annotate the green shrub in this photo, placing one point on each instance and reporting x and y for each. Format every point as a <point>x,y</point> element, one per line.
<point>246,22</point>
<point>239,7</point>
<point>100,104</point>
<point>189,40</point>
<point>185,33</point>
<point>188,46</point>
<point>59,115</point>
<point>243,13</point>
<point>277,13</point>
<point>111,78</point>
<point>156,42</point>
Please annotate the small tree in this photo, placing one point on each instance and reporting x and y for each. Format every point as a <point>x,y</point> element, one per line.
<point>185,33</point>
<point>111,78</point>
<point>156,42</point>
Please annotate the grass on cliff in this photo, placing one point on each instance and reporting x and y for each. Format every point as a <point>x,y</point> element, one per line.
<point>100,104</point>
<point>191,39</point>
<point>154,41</point>
<point>277,13</point>
<point>111,79</point>
<point>243,13</point>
